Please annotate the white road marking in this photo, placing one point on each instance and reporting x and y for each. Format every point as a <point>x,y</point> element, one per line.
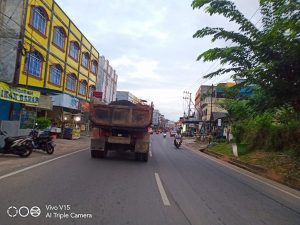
<point>150,153</point>
<point>162,190</point>
<point>248,174</point>
<point>39,164</point>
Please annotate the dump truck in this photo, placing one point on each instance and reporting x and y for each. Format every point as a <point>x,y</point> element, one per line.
<point>120,126</point>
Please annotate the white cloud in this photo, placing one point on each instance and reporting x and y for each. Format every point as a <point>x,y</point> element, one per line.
<point>138,68</point>
<point>150,44</point>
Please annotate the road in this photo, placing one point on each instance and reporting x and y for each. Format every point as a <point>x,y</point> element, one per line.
<point>175,187</point>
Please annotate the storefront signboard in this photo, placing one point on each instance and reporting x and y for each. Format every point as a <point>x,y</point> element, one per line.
<point>19,94</point>
<point>44,103</point>
<point>84,106</point>
<point>65,100</point>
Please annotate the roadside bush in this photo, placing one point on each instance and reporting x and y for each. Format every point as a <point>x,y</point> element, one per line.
<point>270,132</point>
<point>43,122</point>
<point>258,130</point>
<point>238,132</point>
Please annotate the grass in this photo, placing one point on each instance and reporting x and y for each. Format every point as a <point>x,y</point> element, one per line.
<point>223,148</point>
<point>279,165</point>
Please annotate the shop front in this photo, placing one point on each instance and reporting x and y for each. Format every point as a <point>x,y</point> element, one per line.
<point>18,104</point>
<point>66,116</point>
<point>85,115</point>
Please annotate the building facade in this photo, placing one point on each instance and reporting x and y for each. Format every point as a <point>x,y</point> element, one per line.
<point>107,81</point>
<point>43,50</point>
<point>209,99</point>
<point>57,55</point>
<point>125,95</point>
<point>201,94</point>
<point>155,118</point>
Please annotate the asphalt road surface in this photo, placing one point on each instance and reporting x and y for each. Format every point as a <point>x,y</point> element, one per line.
<point>175,187</point>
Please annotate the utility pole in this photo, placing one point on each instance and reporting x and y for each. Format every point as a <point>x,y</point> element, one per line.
<point>189,104</point>
<point>188,97</point>
<point>210,118</point>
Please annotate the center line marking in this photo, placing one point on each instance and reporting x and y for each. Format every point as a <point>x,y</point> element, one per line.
<point>150,153</point>
<point>162,190</point>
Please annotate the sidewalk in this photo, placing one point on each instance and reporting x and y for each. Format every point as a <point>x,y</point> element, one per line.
<point>63,146</point>
<point>190,143</point>
<point>10,163</point>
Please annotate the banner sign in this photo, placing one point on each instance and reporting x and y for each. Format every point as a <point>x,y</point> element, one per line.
<point>219,122</point>
<point>84,106</point>
<point>18,94</point>
<point>44,103</point>
<point>98,94</point>
<point>66,101</point>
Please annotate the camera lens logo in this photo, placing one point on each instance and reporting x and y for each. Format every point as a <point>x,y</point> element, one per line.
<point>23,211</point>
<point>12,211</point>
<point>35,211</point>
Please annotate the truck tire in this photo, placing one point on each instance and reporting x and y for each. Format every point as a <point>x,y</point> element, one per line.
<point>94,154</point>
<point>102,154</point>
<point>137,156</point>
<point>145,157</point>
<point>141,156</point>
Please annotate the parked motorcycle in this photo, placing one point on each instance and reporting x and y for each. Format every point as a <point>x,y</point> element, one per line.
<point>43,141</point>
<point>21,145</point>
<point>177,141</point>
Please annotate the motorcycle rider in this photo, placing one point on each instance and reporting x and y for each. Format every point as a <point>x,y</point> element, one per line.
<point>164,133</point>
<point>178,136</point>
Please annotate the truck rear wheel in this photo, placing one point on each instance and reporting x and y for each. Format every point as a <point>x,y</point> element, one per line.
<point>141,156</point>
<point>102,154</point>
<point>137,156</point>
<point>94,154</point>
<point>145,156</point>
<point>98,154</point>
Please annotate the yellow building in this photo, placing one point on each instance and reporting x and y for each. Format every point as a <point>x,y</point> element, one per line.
<point>56,56</point>
<point>42,50</point>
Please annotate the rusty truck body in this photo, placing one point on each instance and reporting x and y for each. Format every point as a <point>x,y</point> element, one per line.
<point>120,126</point>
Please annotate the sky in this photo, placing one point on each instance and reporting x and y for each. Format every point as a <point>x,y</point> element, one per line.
<point>150,45</point>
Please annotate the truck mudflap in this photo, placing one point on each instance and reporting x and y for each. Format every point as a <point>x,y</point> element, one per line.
<point>98,144</point>
<point>142,145</point>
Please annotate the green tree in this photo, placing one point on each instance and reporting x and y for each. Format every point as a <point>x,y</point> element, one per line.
<point>43,122</point>
<point>267,57</point>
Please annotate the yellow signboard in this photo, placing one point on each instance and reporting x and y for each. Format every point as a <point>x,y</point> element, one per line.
<point>18,94</point>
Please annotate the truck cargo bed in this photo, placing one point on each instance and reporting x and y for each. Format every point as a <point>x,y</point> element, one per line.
<point>135,116</point>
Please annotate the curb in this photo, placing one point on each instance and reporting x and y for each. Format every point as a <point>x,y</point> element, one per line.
<point>250,167</point>
<point>247,166</point>
<point>236,162</point>
<point>214,154</point>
